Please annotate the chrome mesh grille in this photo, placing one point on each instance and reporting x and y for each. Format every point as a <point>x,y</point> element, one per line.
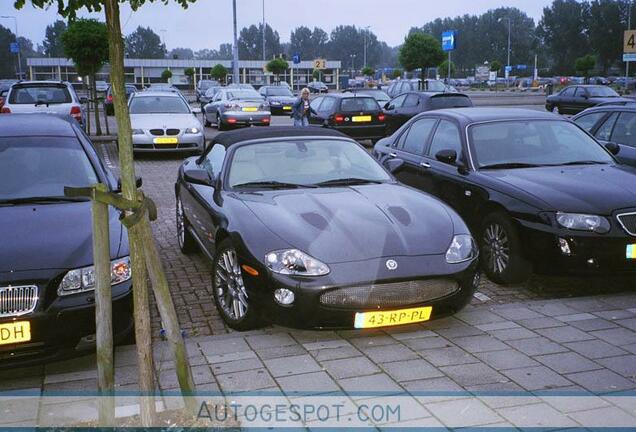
<point>389,295</point>
<point>19,300</point>
<point>628,222</point>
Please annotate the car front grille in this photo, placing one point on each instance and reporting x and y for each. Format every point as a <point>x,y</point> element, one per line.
<point>18,300</point>
<point>156,132</point>
<point>172,132</point>
<point>628,222</point>
<point>390,294</point>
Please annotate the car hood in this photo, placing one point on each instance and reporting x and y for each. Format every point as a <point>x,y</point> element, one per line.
<point>164,121</point>
<point>52,236</point>
<point>282,99</point>
<point>596,189</point>
<point>356,223</point>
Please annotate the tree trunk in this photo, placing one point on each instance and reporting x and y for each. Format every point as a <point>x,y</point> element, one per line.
<point>98,128</point>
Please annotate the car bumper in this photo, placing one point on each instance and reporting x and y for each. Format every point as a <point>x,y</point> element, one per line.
<point>190,142</point>
<point>363,132</point>
<point>246,118</point>
<point>67,328</point>
<point>281,109</point>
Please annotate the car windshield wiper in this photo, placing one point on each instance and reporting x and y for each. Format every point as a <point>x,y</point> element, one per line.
<point>348,181</point>
<point>41,102</point>
<point>510,165</point>
<point>584,162</point>
<point>41,200</point>
<point>273,185</point>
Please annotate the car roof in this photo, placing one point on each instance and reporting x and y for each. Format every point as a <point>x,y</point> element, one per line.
<point>611,106</point>
<point>228,139</point>
<point>20,83</point>
<point>478,115</point>
<point>29,125</point>
<point>149,93</point>
<point>347,94</point>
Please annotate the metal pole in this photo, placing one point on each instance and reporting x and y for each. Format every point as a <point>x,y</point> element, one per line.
<point>449,68</point>
<point>15,22</point>
<point>235,53</point>
<point>264,58</point>
<point>508,42</point>
<point>629,27</point>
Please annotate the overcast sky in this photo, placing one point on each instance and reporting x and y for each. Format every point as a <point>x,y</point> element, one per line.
<point>207,23</point>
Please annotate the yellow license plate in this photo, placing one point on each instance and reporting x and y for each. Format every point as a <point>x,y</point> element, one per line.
<point>631,251</point>
<point>392,318</point>
<point>361,119</point>
<point>15,332</point>
<point>287,108</point>
<point>166,140</point>
<point>250,109</point>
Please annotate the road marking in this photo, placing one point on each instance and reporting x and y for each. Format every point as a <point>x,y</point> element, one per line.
<point>481,297</point>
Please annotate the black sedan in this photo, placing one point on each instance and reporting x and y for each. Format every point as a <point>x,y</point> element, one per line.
<point>576,98</point>
<point>47,304</point>
<point>539,192</point>
<point>109,107</point>
<point>306,229</point>
<point>280,98</point>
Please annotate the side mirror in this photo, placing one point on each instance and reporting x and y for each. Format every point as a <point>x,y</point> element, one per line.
<point>197,176</point>
<point>613,148</point>
<point>138,183</point>
<point>394,165</point>
<point>83,100</point>
<point>447,156</point>
<point>196,110</point>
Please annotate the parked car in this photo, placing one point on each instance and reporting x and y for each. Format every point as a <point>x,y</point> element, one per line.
<point>359,117</point>
<point>164,122</point>
<point>203,86</point>
<point>404,107</point>
<point>108,101</point>
<point>101,86</point>
<point>4,90</point>
<point>306,229</point>
<point>598,80</point>
<point>242,86</point>
<point>406,85</point>
<point>56,97</point>
<point>47,303</point>
<point>208,96</point>
<point>538,192</point>
<point>162,87</point>
<point>318,87</point>
<point>576,98</point>
<point>280,98</point>
<point>613,124</point>
<point>234,106</point>
<point>377,94</point>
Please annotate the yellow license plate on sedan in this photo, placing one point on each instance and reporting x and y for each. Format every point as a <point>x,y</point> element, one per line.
<point>15,332</point>
<point>392,318</point>
<point>165,140</point>
<point>287,108</point>
<point>250,109</point>
<point>357,119</point>
<point>631,252</point>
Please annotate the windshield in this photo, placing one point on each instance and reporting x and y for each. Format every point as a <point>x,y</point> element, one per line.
<point>204,85</point>
<point>41,167</point>
<point>439,102</point>
<point>283,91</point>
<point>158,105</point>
<point>305,162</point>
<point>533,142</point>
<point>40,94</point>
<point>378,95</point>
<point>243,95</point>
<point>436,86</point>
<point>359,104</point>
<point>601,92</point>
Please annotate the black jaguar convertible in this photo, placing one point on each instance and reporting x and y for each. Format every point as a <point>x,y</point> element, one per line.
<point>306,229</point>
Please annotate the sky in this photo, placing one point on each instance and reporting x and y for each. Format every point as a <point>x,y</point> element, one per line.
<point>208,23</point>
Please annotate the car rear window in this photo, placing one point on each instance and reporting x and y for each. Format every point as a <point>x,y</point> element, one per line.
<point>53,94</point>
<point>359,104</point>
<point>439,102</point>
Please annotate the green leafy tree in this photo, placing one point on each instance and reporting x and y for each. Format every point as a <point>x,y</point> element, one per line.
<point>397,73</point>
<point>250,42</point>
<point>348,40</point>
<point>181,54</point>
<point>8,60</point>
<point>420,51</point>
<point>443,68</point>
<point>585,64</point>
<point>52,43</point>
<point>316,75</point>
<point>145,43</point>
<point>166,75</point>
<point>219,73</point>
<point>277,66</point>
<point>368,71</point>
<point>606,31</point>
<point>85,41</point>
<point>189,72</point>
<point>310,44</point>
<point>495,66</point>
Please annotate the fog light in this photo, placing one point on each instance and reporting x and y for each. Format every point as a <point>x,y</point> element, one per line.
<point>565,246</point>
<point>284,296</point>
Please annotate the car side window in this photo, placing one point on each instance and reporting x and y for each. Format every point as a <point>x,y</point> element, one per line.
<point>579,92</point>
<point>604,133</point>
<point>411,100</point>
<point>213,161</point>
<point>568,92</point>
<point>417,136</point>
<point>625,129</point>
<point>398,101</point>
<point>315,104</point>
<point>588,121</point>
<point>328,104</point>
<point>446,138</point>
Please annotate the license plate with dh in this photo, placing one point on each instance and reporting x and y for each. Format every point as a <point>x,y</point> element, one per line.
<point>15,332</point>
<point>631,252</point>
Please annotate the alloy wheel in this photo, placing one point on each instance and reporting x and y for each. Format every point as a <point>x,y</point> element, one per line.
<point>496,248</point>
<point>556,110</point>
<point>228,282</point>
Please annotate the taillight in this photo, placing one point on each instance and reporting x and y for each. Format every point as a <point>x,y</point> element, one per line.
<point>5,110</point>
<point>266,120</point>
<point>109,98</point>
<point>339,118</point>
<point>381,117</point>
<point>231,120</point>
<point>76,112</point>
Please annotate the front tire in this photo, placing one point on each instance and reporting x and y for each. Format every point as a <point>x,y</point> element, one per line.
<point>186,241</point>
<point>501,250</point>
<point>219,123</point>
<point>229,290</point>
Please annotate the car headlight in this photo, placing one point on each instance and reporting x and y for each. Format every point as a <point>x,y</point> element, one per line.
<point>274,102</point>
<point>462,248</point>
<point>192,131</point>
<point>137,132</point>
<point>83,279</point>
<point>583,222</point>
<point>295,262</point>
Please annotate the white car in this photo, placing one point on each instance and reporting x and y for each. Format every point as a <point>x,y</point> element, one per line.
<point>164,122</point>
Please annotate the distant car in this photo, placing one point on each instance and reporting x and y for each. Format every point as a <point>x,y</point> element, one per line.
<point>576,98</point>
<point>318,87</point>
<point>280,98</point>
<point>375,93</point>
<point>406,85</point>
<point>108,102</point>
<point>101,86</point>
<point>162,87</point>
<point>242,86</point>
<point>208,96</point>
<point>599,80</point>
<point>55,97</point>
<point>359,117</point>
<point>404,107</point>
<point>613,124</point>
<point>47,278</point>
<point>203,86</point>
<point>164,122</point>
<point>234,106</point>
<point>305,229</point>
<point>4,90</point>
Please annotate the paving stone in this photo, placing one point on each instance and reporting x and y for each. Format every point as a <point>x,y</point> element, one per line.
<point>350,367</point>
<point>604,418</point>
<point>536,415</point>
<point>564,334</point>
<point>629,323</point>
<point>536,346</point>
<point>615,314</point>
<point>378,339</point>
<point>473,374</point>
<point>537,323</point>
<point>73,365</point>
<point>593,324</point>
<point>246,381</point>
<point>388,353</point>
<point>447,356</point>
<point>508,359</point>
<point>536,378</point>
<point>370,385</point>
<point>463,413</point>
<point>314,382</point>
<point>427,343</point>
<point>404,333</point>
<point>67,414</point>
<point>270,340</point>
<point>332,343</point>
<point>280,351</point>
<point>126,375</point>
<point>594,349</point>
<point>24,383</point>
<point>630,348</point>
<point>228,346</point>
<point>202,374</point>
<point>575,317</point>
<point>552,308</point>
<point>14,410</point>
<point>624,365</point>
<point>617,336</point>
<point>78,386</point>
<point>586,304</point>
<point>578,401</point>
<point>602,380</point>
<point>513,333</point>
<point>481,343</point>
<point>410,370</point>
<point>237,366</point>
<point>335,353</point>
<point>459,331</point>
<point>478,317</point>
<point>292,365</point>
<point>517,313</point>
<point>488,389</point>
<point>568,362</point>
<point>501,325</point>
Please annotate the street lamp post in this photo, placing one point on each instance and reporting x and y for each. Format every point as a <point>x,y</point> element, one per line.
<point>235,56</point>
<point>366,33</point>
<point>629,27</point>
<point>264,58</point>
<point>353,69</point>
<point>509,26</point>
<point>15,21</point>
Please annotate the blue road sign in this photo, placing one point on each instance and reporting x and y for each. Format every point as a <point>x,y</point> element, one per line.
<point>296,58</point>
<point>14,47</point>
<point>521,67</point>
<point>448,40</point>
<point>508,69</point>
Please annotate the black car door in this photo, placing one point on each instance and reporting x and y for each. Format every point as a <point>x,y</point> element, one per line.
<point>565,100</point>
<point>409,108</point>
<point>580,101</point>
<point>392,115</point>
<point>315,114</point>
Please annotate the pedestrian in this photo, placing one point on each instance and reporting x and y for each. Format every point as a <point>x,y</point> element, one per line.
<point>301,109</point>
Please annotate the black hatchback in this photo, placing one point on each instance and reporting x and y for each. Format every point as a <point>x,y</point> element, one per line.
<point>359,117</point>
<point>47,303</point>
